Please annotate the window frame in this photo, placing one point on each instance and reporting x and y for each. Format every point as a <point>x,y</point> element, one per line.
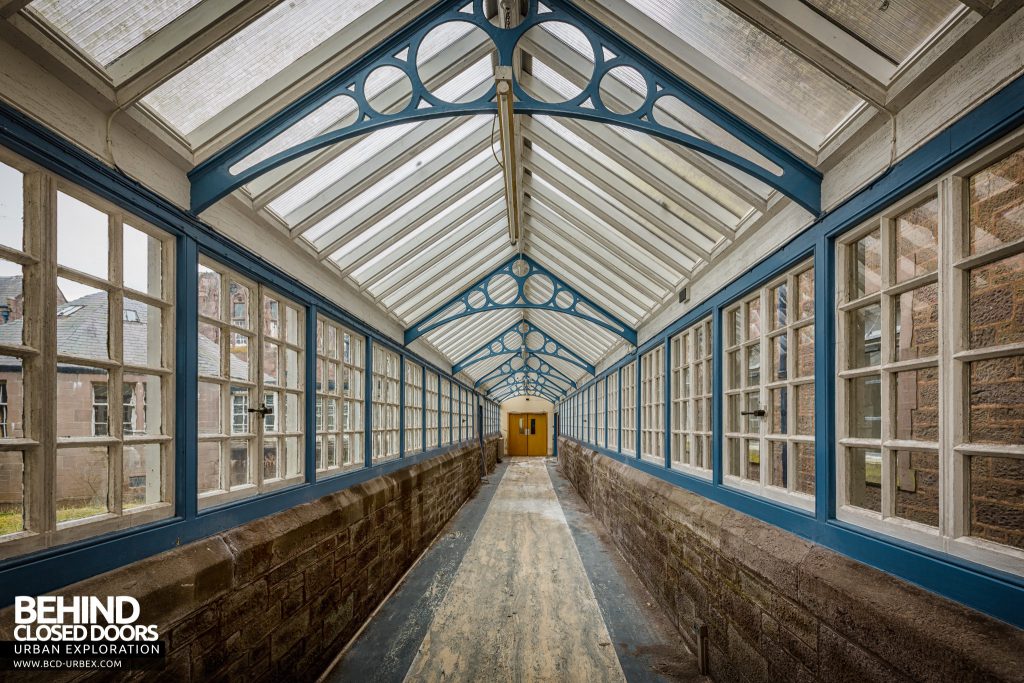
<point>652,405</point>
<point>386,400</point>
<point>627,411</point>
<point>413,407</point>
<point>687,363</point>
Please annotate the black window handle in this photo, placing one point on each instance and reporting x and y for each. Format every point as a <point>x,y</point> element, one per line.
<point>756,413</point>
<point>262,410</point>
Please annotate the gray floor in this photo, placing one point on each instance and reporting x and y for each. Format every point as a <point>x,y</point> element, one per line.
<point>541,543</point>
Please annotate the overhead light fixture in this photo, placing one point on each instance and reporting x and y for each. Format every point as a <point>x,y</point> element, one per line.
<point>509,158</point>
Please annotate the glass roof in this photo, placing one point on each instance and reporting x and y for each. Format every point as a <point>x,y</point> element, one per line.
<point>414,214</point>
<point>250,57</point>
<point>893,29</point>
<point>817,102</point>
<point>106,29</point>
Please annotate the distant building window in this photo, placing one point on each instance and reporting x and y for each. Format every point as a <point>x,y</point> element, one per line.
<point>67,311</point>
<point>99,410</point>
<point>131,316</point>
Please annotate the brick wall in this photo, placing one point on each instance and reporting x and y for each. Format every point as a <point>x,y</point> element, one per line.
<point>277,598</point>
<point>778,607</point>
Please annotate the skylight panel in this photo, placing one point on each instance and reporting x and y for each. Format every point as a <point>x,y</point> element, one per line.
<point>251,57</point>
<point>759,60</point>
<point>107,29</point>
<point>894,30</point>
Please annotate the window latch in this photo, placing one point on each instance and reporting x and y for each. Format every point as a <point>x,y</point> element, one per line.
<point>263,410</point>
<point>756,413</point>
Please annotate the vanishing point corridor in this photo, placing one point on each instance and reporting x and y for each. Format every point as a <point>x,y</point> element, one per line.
<point>521,586</point>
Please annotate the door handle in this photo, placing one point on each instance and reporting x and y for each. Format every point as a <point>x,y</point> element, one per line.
<point>756,413</point>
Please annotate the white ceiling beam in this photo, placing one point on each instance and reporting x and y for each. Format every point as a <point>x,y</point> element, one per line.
<point>610,203</point>
<point>628,195</point>
<point>393,197</point>
<point>179,43</point>
<point>422,301</point>
<point>405,263</point>
<point>634,265</point>
<point>650,245</point>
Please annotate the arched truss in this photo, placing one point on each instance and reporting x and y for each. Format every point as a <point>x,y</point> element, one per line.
<point>520,282</point>
<point>530,363</point>
<point>518,337</point>
<point>521,392</point>
<point>528,378</point>
<point>228,170</point>
<point>511,386</point>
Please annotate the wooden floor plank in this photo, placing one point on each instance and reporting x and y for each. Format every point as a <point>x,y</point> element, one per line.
<point>521,607</point>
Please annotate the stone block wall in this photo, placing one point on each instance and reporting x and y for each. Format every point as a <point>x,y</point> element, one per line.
<point>777,607</point>
<point>277,598</point>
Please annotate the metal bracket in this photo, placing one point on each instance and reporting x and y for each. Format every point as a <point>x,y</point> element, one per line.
<point>254,153</point>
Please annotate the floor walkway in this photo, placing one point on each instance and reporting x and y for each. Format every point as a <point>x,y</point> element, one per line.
<point>521,586</point>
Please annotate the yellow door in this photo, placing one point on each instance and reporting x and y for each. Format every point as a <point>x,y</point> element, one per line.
<point>527,434</point>
<point>537,440</point>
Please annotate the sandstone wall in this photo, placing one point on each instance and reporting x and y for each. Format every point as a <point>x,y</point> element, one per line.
<point>276,599</point>
<point>777,607</point>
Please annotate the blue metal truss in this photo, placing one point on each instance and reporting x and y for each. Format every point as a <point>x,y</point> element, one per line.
<point>518,364</point>
<point>517,337</point>
<point>525,384</point>
<point>520,282</point>
<point>215,178</point>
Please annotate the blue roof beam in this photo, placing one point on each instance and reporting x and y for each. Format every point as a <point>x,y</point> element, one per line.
<point>523,335</point>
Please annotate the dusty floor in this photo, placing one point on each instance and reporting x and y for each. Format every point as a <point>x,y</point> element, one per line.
<point>521,586</point>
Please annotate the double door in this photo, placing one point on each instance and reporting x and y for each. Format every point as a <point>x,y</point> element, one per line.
<point>528,434</point>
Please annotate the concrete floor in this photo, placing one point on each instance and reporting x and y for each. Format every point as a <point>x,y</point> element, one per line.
<point>521,586</point>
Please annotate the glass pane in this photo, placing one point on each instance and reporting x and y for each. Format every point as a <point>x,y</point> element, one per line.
<point>996,392</point>
<point>271,365</point>
<point>81,320</point>
<point>142,405</point>
<point>83,408</point>
<point>12,401</point>
<point>804,468</point>
<point>753,460</point>
<point>753,422</point>
<point>777,475</point>
<point>805,294</point>
<point>753,319</point>
<point>292,325</point>
<point>916,323</point>
<point>208,350</point>
<point>209,473</point>
<point>12,207</point>
<point>866,266</point>
<point>864,478</point>
<point>779,410</point>
<point>271,459</point>
<point>249,58</point>
<point>239,462</point>
<point>758,60</point>
<point>804,409</point>
<point>12,490</point>
<point>143,262</point>
<point>292,376</point>
<point>240,362</point>
<point>239,297</point>
<point>805,351</point>
<point>271,317</point>
<point>865,336</point>
<point>997,489</point>
<point>777,297</point>
<point>82,480</point>
<point>917,241</point>
<point>779,359</point>
<point>733,457</point>
<point>735,327</point>
<point>209,408</point>
<point>12,301</point>
<point>753,365</point>
<point>917,486</point>
<point>917,404</point>
<point>894,30</point>
<point>997,204</point>
<point>143,470</point>
<point>107,29</point>
<point>209,293</point>
<point>82,237</point>
<point>142,334</point>
<point>866,407</point>
<point>996,303</point>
